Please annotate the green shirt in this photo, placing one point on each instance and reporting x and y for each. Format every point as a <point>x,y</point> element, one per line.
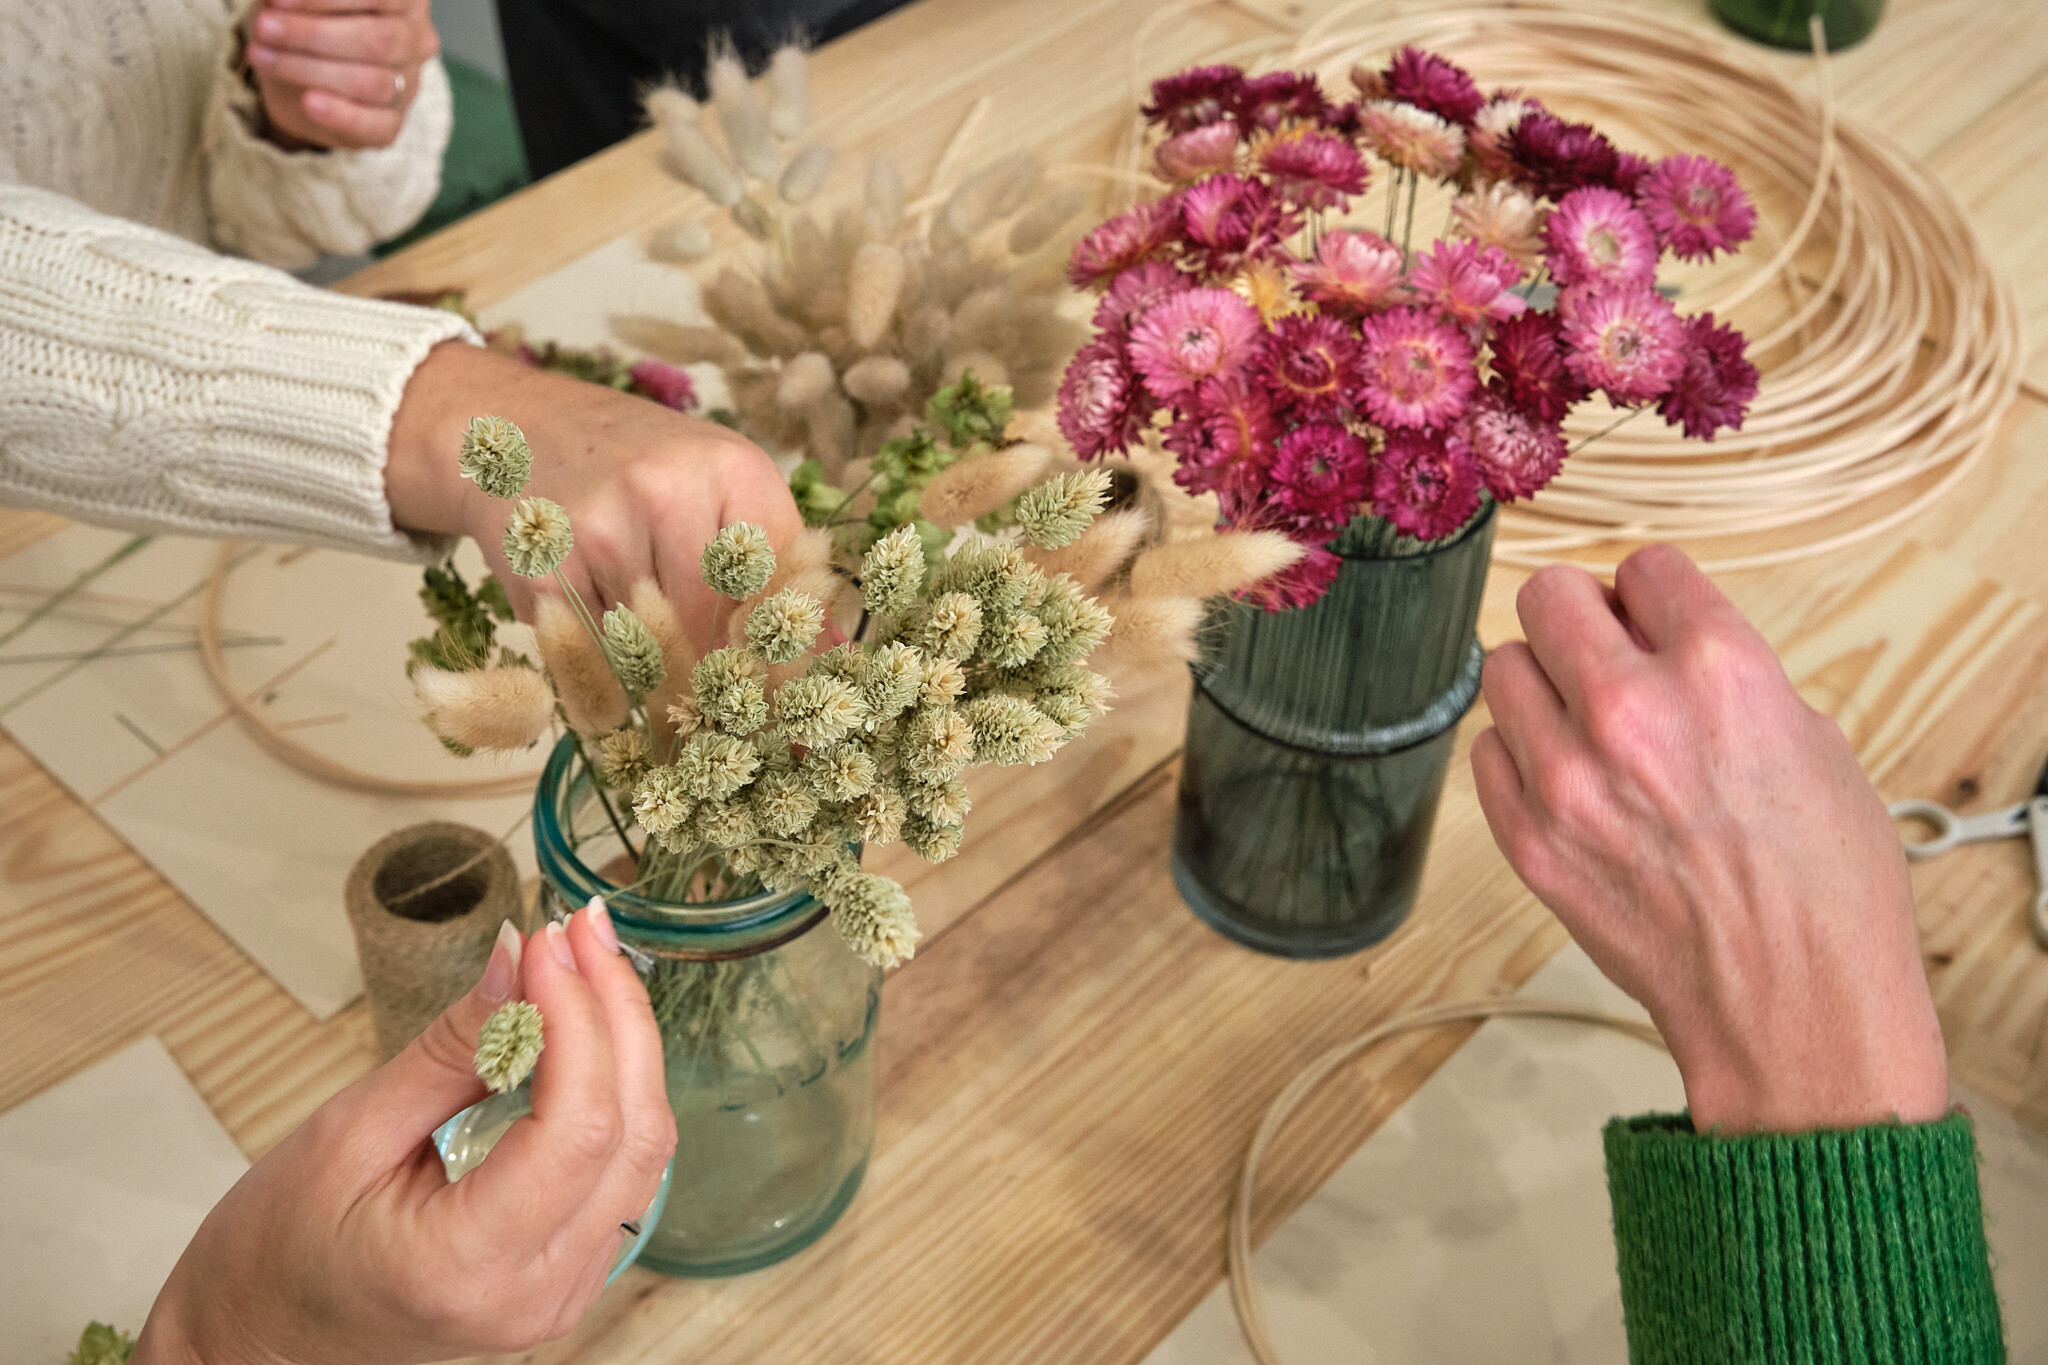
<point>1863,1244</point>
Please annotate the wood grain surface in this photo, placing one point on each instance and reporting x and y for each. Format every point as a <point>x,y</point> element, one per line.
<point>1072,1064</point>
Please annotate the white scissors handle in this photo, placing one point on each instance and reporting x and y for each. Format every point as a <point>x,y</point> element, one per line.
<point>1951,829</point>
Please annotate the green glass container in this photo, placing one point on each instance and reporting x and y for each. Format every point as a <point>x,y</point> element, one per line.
<point>1318,740</point>
<point>768,1037</point>
<point>1783,23</point>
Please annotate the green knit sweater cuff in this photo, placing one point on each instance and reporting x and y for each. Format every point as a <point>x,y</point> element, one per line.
<point>1863,1244</point>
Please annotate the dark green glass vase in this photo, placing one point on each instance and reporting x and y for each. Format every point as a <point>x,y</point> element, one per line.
<point>1783,23</point>
<point>1317,743</point>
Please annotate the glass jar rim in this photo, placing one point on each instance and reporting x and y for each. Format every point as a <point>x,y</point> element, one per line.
<point>1488,505</point>
<point>701,925</point>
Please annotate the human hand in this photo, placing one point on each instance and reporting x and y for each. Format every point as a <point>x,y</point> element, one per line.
<point>1712,843</point>
<point>339,73</point>
<point>346,1245</point>
<point>646,488</point>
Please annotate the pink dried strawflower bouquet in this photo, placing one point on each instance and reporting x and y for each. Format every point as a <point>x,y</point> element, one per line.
<point>1307,370</point>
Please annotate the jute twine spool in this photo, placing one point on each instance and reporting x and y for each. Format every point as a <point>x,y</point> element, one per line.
<point>425,903</point>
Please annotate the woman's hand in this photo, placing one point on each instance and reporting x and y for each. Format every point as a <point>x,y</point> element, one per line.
<point>1712,843</point>
<point>339,73</point>
<point>346,1245</point>
<point>646,488</point>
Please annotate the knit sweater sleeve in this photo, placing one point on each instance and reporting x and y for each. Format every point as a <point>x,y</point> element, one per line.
<point>1862,1244</point>
<point>150,384</point>
<point>287,208</point>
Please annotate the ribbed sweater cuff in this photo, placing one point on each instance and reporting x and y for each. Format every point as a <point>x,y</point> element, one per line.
<point>1862,1244</point>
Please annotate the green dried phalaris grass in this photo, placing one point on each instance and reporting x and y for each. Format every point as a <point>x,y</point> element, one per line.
<point>508,1045</point>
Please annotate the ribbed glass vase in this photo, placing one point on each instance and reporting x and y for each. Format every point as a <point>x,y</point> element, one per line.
<point>1784,23</point>
<point>1317,743</point>
<point>767,1028</point>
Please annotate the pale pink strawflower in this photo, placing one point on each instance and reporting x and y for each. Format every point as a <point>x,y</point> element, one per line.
<point>1101,404</point>
<point>1417,370</point>
<point>1464,282</point>
<point>1597,236</point>
<point>1133,293</point>
<point>1192,336</point>
<point>1313,170</point>
<point>1501,215</point>
<point>1492,126</point>
<point>1198,151</point>
<point>1353,272</point>
<point>1411,138</point>
<point>1518,453</point>
<point>1695,206</point>
<point>1626,341</point>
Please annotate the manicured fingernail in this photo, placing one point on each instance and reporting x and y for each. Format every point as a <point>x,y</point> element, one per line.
<point>600,917</point>
<point>558,944</point>
<point>261,56</point>
<point>269,26</point>
<point>502,972</point>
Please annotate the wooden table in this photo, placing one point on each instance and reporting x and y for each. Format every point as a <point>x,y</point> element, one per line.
<point>1071,1066</point>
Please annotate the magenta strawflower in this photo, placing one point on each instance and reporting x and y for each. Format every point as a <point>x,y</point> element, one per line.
<point>1353,272</point>
<point>1466,283</point>
<point>1227,219</point>
<point>1528,366</point>
<point>1133,293</point>
<point>1198,151</point>
<point>1102,406</point>
<point>1491,128</point>
<point>1695,207</point>
<point>1191,336</point>
<point>1411,138</point>
<point>1313,170</point>
<point>1120,243</point>
<point>1629,170</point>
<point>1266,102</point>
<point>1417,370</point>
<point>1715,387</point>
<point>1595,235</point>
<point>668,385</point>
<point>1518,452</point>
<point>1310,364</point>
<point>1553,157</point>
<point>1196,97</point>
<point>1302,584</point>
<point>1625,341</point>
<point>1429,82</point>
<point>1225,438</point>
<point>1426,483</point>
<point>1319,474</point>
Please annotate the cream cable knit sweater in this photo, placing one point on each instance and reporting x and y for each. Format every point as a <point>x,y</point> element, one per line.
<point>147,381</point>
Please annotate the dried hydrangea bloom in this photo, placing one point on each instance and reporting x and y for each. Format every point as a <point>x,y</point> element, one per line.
<point>1059,509</point>
<point>946,627</point>
<point>537,538</point>
<point>878,816</point>
<point>892,572</point>
<point>890,679</point>
<point>932,840</point>
<point>944,679</point>
<point>937,743</point>
<point>728,826</point>
<point>785,625</point>
<point>873,915</point>
<point>508,1045</point>
<point>1012,641</point>
<point>738,561</point>
<point>495,457</point>
<point>634,652</point>
<point>841,772</point>
<point>944,803</point>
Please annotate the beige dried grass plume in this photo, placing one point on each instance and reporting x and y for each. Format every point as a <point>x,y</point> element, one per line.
<point>1152,630</point>
<point>1099,551</point>
<point>1211,565</point>
<point>590,695</point>
<point>489,710</point>
<point>980,484</point>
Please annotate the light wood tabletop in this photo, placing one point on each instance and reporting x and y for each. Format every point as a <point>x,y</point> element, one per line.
<point>1071,1066</point>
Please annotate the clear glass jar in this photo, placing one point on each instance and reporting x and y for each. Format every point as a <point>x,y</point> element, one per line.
<point>1317,743</point>
<point>768,1032</point>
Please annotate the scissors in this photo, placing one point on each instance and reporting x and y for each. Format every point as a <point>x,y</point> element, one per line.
<point>2029,818</point>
